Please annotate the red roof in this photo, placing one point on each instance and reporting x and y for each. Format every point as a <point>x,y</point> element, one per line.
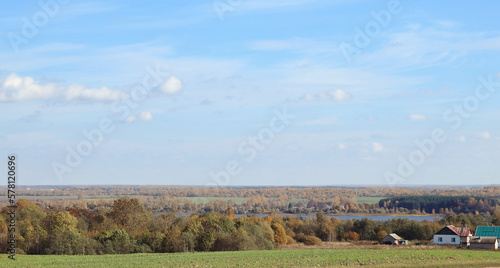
<point>461,231</point>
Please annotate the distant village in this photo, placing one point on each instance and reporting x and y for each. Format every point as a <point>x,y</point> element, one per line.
<point>486,237</point>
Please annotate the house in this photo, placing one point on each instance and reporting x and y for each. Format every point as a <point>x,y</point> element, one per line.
<point>451,235</point>
<point>484,242</point>
<point>489,231</point>
<point>392,239</point>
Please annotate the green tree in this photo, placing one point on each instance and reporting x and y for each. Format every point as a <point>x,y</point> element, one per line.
<point>117,242</point>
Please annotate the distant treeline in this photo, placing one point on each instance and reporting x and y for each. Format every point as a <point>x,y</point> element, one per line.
<point>250,200</point>
<point>441,204</point>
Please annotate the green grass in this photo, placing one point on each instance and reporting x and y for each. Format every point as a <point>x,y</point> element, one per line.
<point>273,258</point>
<point>206,200</point>
<point>369,199</point>
<point>296,200</point>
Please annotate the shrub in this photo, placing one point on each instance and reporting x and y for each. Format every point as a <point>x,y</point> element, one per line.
<point>290,240</point>
<point>312,240</point>
<point>381,235</point>
<point>352,236</point>
<point>300,237</point>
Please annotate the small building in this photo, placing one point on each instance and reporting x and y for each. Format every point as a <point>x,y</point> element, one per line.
<point>489,231</point>
<point>484,242</point>
<point>392,239</point>
<point>451,235</point>
<point>403,242</point>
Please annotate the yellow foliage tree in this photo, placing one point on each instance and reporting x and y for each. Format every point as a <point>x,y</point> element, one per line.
<point>279,234</point>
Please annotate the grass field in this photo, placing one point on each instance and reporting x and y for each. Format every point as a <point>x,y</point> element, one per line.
<point>369,199</point>
<point>274,258</point>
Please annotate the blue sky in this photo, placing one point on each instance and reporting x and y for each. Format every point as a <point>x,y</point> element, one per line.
<point>334,92</point>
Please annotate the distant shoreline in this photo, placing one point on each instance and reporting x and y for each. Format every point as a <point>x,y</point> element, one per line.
<point>386,215</point>
<point>355,214</point>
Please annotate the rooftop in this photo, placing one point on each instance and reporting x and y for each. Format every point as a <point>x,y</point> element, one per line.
<point>488,231</point>
<point>483,240</point>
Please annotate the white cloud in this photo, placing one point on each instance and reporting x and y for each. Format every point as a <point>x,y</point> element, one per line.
<point>340,95</point>
<point>334,95</point>
<point>17,89</point>
<point>172,85</point>
<point>102,94</point>
<point>341,146</point>
<point>461,139</point>
<point>141,117</point>
<point>146,116</point>
<point>418,117</point>
<point>484,135</point>
<point>377,147</point>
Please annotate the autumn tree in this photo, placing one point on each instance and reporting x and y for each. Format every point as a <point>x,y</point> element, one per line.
<point>130,215</point>
<point>30,220</point>
<point>496,216</point>
<point>381,235</point>
<point>326,229</point>
<point>63,235</point>
<point>279,234</point>
<point>351,236</point>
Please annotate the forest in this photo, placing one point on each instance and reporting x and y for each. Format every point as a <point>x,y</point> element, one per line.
<point>441,204</point>
<point>127,226</point>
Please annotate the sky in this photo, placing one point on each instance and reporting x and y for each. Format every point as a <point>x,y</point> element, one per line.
<point>251,92</point>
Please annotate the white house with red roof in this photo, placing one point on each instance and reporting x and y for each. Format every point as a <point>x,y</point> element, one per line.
<point>451,235</point>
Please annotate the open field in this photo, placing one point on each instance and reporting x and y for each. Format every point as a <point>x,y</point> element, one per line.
<point>206,200</point>
<point>33,197</point>
<point>59,197</point>
<point>369,199</point>
<point>296,200</point>
<point>388,257</point>
<point>196,200</point>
